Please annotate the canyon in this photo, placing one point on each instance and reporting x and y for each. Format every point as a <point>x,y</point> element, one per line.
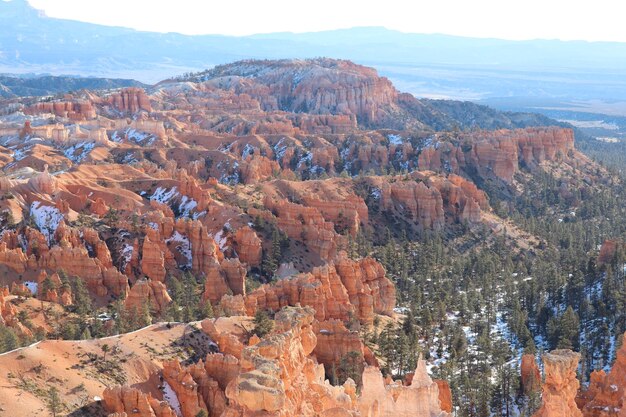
<point>246,189</point>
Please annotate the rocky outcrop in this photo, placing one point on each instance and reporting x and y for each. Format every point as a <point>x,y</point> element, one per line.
<point>152,260</point>
<point>445,395</point>
<point>152,294</point>
<point>75,111</point>
<point>420,398</point>
<point>256,168</point>
<point>531,377</point>
<point>608,250</point>
<point>335,342</point>
<point>606,393</point>
<point>249,246</point>
<point>341,290</point>
<point>560,386</point>
<point>188,392</point>
<point>277,376</point>
<point>9,312</point>
<point>498,153</point>
<point>224,278</point>
<point>320,86</point>
<point>130,100</point>
<point>125,401</point>
<point>305,224</point>
<point>416,201</point>
<point>429,201</point>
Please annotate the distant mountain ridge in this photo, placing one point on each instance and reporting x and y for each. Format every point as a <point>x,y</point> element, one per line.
<point>21,86</point>
<point>425,65</point>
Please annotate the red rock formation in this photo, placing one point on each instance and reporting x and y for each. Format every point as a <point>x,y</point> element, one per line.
<point>145,291</point>
<point>256,168</point>
<point>606,394</point>
<point>248,246</point>
<point>186,389</point>
<point>415,201</point>
<point>334,342</point>
<point>348,213</point>
<point>339,290</point>
<point>223,278</point>
<point>99,207</point>
<point>305,224</point>
<point>499,152</point>
<point>277,378</point>
<point>531,378</point>
<point>9,312</point>
<point>152,259</point>
<point>445,395</point>
<point>76,111</point>
<point>124,401</point>
<point>561,385</point>
<point>130,100</point>
<point>228,343</point>
<point>420,398</point>
<point>13,258</point>
<point>607,251</point>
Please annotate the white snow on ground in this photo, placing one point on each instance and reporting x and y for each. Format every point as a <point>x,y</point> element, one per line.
<point>126,254</point>
<point>219,237</point>
<point>221,240</point>
<point>186,205</point>
<point>47,218</point>
<point>162,195</point>
<point>19,154</point>
<point>430,142</point>
<point>138,137</point>
<point>247,151</point>
<point>306,160</point>
<point>224,166</point>
<point>376,193</point>
<point>79,152</point>
<point>32,287</point>
<point>182,245</point>
<point>395,139</point>
<point>279,149</point>
<point>171,398</point>
<point>198,214</point>
<point>129,158</point>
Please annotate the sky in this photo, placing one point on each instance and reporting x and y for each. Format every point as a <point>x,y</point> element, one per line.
<point>597,20</point>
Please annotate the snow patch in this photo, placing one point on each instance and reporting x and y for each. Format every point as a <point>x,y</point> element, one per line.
<point>32,286</point>
<point>125,255</point>
<point>162,195</point>
<point>47,219</point>
<point>171,398</point>
<point>183,246</point>
<point>395,139</point>
<point>79,152</point>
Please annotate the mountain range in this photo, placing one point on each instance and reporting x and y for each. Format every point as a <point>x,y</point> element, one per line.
<point>422,64</point>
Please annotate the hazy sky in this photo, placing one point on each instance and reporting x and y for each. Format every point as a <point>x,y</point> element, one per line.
<point>508,19</point>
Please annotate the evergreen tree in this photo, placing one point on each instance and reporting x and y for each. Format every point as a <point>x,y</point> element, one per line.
<point>263,324</point>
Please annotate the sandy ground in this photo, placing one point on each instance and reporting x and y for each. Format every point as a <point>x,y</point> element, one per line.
<point>75,369</point>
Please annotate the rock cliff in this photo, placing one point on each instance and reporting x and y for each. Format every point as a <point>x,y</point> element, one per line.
<point>560,386</point>
<point>275,376</point>
<point>606,394</point>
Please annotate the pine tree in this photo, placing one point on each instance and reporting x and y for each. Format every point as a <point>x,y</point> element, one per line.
<point>8,339</point>
<point>569,330</point>
<point>263,324</point>
<point>82,300</point>
<point>53,401</point>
